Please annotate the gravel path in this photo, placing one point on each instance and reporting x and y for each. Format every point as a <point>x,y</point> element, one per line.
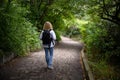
<point>66,63</point>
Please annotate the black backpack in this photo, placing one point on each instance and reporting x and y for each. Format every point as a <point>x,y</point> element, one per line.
<point>46,38</point>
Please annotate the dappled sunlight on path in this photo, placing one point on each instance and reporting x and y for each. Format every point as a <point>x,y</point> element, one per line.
<point>66,63</point>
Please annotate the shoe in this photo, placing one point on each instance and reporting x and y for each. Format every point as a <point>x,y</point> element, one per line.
<point>50,67</point>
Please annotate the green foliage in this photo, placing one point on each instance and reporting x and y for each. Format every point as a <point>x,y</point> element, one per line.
<point>17,34</point>
<point>102,70</point>
<point>58,36</point>
<point>72,31</point>
<point>101,39</point>
<point>73,28</point>
<point>54,11</point>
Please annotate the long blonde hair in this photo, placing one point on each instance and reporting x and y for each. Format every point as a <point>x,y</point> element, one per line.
<point>47,26</point>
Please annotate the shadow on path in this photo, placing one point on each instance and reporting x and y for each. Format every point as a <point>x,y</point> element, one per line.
<point>66,64</point>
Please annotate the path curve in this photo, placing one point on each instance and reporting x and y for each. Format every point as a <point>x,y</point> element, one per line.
<point>66,64</point>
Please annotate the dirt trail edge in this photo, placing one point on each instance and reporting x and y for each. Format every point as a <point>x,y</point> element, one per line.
<point>66,63</point>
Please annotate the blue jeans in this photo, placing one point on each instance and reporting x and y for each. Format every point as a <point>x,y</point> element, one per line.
<point>49,56</point>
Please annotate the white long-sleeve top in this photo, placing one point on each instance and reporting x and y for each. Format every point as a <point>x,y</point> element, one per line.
<point>53,35</point>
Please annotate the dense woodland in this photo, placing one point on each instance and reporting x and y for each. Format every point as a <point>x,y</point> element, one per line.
<point>95,22</point>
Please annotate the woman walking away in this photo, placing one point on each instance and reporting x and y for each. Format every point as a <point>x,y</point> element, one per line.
<point>48,38</point>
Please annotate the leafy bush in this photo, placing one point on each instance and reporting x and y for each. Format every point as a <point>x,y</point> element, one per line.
<point>58,36</point>
<point>17,34</point>
<point>72,31</point>
<point>101,39</point>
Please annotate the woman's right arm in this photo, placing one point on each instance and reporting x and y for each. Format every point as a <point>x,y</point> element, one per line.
<point>53,35</point>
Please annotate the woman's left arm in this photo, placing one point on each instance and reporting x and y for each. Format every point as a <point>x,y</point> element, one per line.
<point>41,35</point>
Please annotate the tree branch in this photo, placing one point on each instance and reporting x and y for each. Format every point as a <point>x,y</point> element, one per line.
<point>111,20</point>
<point>111,12</point>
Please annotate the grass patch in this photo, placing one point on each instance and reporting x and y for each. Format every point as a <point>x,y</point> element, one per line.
<point>103,71</point>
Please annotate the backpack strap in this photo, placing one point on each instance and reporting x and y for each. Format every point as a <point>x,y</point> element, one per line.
<point>52,39</point>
